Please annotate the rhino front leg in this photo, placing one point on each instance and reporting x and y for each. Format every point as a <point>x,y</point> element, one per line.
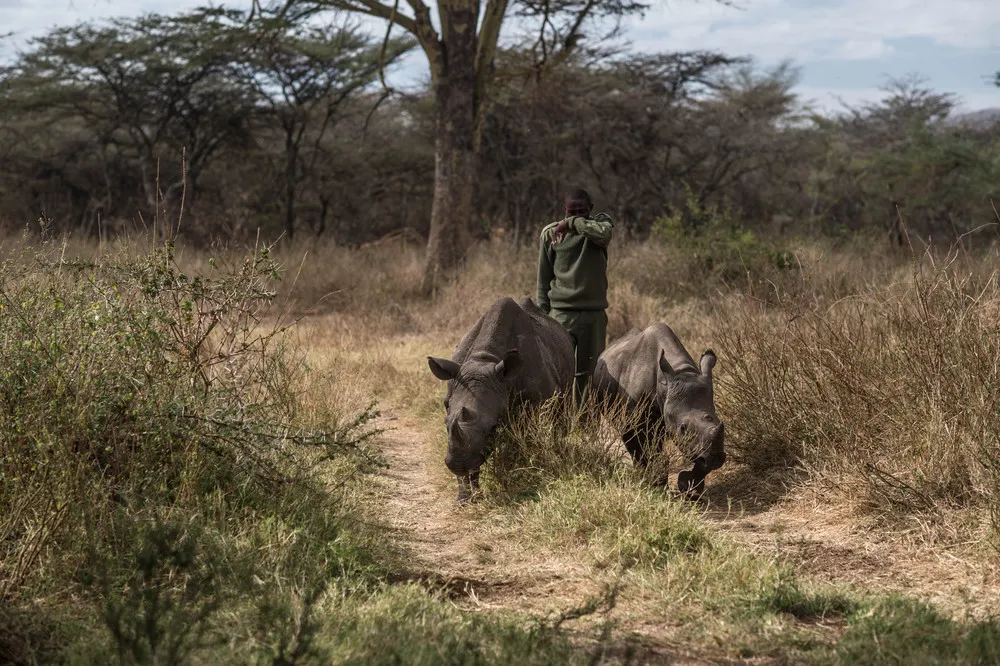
<point>691,483</point>
<point>468,487</point>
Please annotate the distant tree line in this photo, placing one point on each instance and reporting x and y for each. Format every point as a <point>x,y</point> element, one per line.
<point>228,124</point>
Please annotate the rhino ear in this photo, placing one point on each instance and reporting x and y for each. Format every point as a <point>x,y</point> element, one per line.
<point>443,369</point>
<point>665,368</point>
<point>510,363</point>
<point>708,362</point>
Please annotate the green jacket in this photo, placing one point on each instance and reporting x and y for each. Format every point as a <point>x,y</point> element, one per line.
<point>573,275</point>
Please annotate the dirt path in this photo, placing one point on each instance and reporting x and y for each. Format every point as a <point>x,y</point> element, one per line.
<point>826,547</point>
<point>454,549</point>
<point>450,545</point>
<point>421,504</point>
<point>451,551</point>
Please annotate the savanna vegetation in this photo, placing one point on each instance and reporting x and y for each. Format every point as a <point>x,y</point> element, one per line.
<point>193,475</point>
<point>220,441</point>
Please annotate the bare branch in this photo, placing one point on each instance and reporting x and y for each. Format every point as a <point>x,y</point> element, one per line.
<point>385,46</point>
<point>378,10</point>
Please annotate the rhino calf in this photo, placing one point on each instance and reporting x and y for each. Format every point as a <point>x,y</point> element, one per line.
<point>663,390</point>
<point>514,354</point>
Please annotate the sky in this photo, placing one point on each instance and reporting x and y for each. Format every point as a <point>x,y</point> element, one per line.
<point>845,49</point>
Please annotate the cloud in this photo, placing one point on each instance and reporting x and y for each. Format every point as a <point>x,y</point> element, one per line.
<point>809,30</point>
<point>832,99</point>
<point>861,49</point>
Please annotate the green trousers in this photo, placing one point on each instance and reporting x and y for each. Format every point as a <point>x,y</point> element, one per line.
<point>588,328</point>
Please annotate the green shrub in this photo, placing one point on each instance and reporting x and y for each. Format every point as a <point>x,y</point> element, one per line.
<point>715,246</point>
<point>900,630</point>
<point>154,449</point>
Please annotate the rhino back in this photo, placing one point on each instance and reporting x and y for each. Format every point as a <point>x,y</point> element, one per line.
<point>548,344</point>
<point>545,347</point>
<point>628,367</point>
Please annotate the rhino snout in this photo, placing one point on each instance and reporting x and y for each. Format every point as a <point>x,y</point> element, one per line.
<point>463,465</point>
<point>711,461</point>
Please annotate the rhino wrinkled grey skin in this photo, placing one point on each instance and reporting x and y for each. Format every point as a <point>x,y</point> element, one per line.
<point>514,354</point>
<point>664,392</point>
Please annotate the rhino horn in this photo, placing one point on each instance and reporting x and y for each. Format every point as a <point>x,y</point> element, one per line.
<point>707,362</point>
<point>510,363</point>
<point>454,430</point>
<point>443,369</point>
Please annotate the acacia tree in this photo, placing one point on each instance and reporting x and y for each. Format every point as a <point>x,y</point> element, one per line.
<point>302,75</point>
<point>461,50</point>
<point>147,88</point>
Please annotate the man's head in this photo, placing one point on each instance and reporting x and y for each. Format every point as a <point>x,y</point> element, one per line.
<point>578,203</point>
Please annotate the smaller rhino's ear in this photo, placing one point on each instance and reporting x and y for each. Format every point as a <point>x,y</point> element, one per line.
<point>443,369</point>
<point>665,367</point>
<point>510,363</point>
<point>707,362</point>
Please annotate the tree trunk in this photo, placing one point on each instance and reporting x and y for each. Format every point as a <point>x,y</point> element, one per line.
<point>291,164</point>
<point>324,209</point>
<point>290,208</point>
<point>455,158</point>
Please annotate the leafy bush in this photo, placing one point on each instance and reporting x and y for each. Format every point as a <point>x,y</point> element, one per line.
<point>715,246</point>
<point>154,448</point>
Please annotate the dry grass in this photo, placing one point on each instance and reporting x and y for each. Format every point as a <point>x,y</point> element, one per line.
<point>887,395</point>
<point>857,388</point>
<point>869,369</point>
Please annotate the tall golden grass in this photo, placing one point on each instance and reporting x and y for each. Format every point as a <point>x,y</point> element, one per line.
<point>866,369</point>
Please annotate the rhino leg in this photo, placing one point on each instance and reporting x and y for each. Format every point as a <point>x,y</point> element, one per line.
<point>691,483</point>
<point>468,487</point>
<point>636,442</point>
<point>464,489</point>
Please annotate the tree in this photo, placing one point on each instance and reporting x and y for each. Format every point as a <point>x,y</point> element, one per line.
<point>302,74</point>
<point>147,88</point>
<point>461,53</point>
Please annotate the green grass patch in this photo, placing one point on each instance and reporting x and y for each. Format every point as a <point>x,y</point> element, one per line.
<point>900,630</point>
<point>406,626</point>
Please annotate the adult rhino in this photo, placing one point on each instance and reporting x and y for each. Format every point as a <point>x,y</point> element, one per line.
<point>514,354</point>
<point>663,391</point>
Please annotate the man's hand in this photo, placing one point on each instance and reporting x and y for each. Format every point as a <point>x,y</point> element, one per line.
<point>560,231</point>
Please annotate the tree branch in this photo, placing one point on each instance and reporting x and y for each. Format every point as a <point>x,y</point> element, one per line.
<point>378,10</point>
<point>489,35</point>
<point>385,45</point>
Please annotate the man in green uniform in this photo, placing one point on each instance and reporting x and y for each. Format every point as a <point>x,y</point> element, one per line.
<point>573,280</point>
